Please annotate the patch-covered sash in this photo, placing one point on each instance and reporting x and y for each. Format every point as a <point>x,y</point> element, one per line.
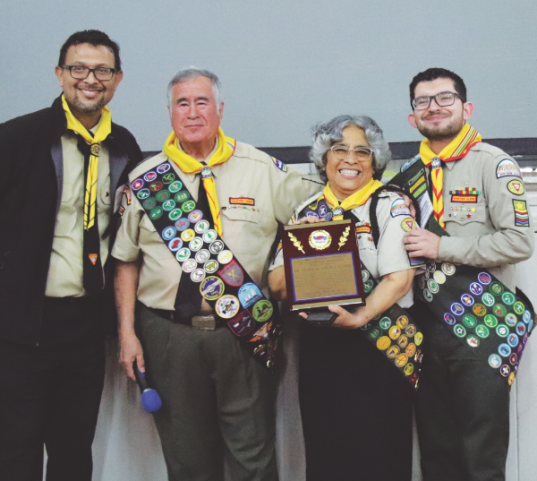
<point>469,301</point>
<point>224,283</point>
<point>393,332</point>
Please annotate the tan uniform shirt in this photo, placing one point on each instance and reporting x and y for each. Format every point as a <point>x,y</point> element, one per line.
<point>254,197</point>
<point>493,232</point>
<point>390,254</point>
<point>65,274</point>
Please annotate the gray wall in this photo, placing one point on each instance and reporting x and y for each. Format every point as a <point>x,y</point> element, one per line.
<point>285,64</point>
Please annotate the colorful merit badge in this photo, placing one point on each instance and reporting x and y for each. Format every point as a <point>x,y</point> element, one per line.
<point>522,218</point>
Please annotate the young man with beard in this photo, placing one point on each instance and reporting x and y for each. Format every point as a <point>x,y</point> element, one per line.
<point>60,170</point>
<point>475,192</point>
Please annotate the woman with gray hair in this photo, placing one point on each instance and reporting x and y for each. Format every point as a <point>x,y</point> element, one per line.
<point>356,408</point>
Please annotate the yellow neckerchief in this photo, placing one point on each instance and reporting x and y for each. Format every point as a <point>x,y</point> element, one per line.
<point>103,131</point>
<point>189,165</point>
<point>457,149</point>
<point>357,199</point>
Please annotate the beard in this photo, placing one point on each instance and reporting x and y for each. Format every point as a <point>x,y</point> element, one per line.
<point>447,132</point>
<point>89,108</point>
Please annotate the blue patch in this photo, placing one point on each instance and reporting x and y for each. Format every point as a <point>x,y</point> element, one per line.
<point>279,164</point>
<point>409,163</point>
<point>248,294</point>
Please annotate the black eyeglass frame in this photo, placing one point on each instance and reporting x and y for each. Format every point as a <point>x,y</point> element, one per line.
<point>112,72</point>
<point>431,97</point>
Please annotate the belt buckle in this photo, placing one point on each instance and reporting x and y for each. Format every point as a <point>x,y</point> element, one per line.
<point>204,323</point>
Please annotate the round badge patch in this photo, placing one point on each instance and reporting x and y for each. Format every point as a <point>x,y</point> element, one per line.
<point>175,187</point>
<point>137,184</point>
<point>448,268</point>
<point>383,343</point>
<point>197,275</point>
<point>449,319</point>
<point>182,224</point>
<point>227,306</point>
<point>182,254</point>
<point>156,213</point>
<point>163,168</point>
<point>508,298</point>
<point>195,244</point>
<point>188,235</point>
<point>482,331</point>
<point>457,309</point>
<point>374,334</point>
<point>156,186</point>
<point>368,286</point>
<point>428,295</point>
<point>182,196</point>
<point>526,317</point>
<point>212,288</point>
<point>202,226</point>
<point>502,330</point>
<point>487,299</point>
<point>469,321</point>
<point>201,256</point>
<point>472,341</point>
<point>402,342</point>
<point>410,350</point>
<point>150,176</point>
<point>408,369</point>
<point>175,214</point>
<point>210,236</point>
<point>168,205</point>
<point>511,319</point>
<point>168,178</point>
<point>189,265</point>
<point>439,277</point>
<point>149,203</point>
<point>195,216</point>
<point>484,278</point>
<point>402,322</point>
<point>365,275</point>
<point>188,206</point>
<point>392,352</point>
<point>320,239</point>
<point>512,340</point>
<point>394,332</point>
<point>433,286</point>
<point>216,247</point>
<point>519,308</point>
<point>513,359</point>
<point>143,194</point>
<point>505,370</point>
<point>495,361</point>
<point>262,310</point>
<point>410,330</point>
<point>224,257</point>
<point>418,338</point>
<point>496,288</point>
<point>516,187</point>
<point>169,233</point>
<point>467,300</point>
<point>407,224</point>
<point>511,379</point>
<point>491,320</point>
<point>459,331</point>
<point>163,195</point>
<point>521,328</point>
<point>401,360</point>
<point>175,244</point>
<point>211,266</point>
<point>385,323</point>
<point>499,310</point>
<point>479,310</point>
<point>476,289</point>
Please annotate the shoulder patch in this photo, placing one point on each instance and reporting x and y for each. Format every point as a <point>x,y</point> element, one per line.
<point>522,218</point>
<point>408,223</point>
<point>279,164</point>
<point>409,163</point>
<point>399,208</point>
<point>507,168</point>
<point>516,187</point>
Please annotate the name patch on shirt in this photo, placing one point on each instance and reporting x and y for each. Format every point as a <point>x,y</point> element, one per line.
<point>241,201</point>
<point>363,228</point>
<point>468,195</point>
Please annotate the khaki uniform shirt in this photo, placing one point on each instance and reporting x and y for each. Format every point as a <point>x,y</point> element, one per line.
<point>255,196</point>
<point>390,254</point>
<point>494,232</point>
<point>65,274</point>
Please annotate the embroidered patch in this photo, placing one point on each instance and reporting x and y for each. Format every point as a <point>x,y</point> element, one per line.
<point>468,195</point>
<point>363,228</point>
<point>407,224</point>
<point>279,164</point>
<point>522,218</point>
<point>418,183</point>
<point>241,200</point>
<point>516,187</point>
<point>507,168</point>
<point>408,163</point>
<point>399,208</point>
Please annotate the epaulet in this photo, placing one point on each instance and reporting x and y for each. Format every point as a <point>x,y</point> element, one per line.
<point>409,163</point>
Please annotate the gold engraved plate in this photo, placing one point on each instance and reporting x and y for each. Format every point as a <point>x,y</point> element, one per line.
<point>296,242</point>
<point>320,239</point>
<point>344,237</point>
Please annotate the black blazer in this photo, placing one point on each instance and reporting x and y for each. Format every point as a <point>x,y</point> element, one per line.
<point>31,182</point>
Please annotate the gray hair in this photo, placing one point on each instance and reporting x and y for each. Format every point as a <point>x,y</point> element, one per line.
<point>192,73</point>
<point>326,135</point>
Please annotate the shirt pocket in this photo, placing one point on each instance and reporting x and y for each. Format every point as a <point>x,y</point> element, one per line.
<point>239,213</point>
<point>466,214</point>
<point>67,214</point>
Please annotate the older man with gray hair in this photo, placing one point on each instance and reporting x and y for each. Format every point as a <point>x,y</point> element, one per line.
<point>192,252</point>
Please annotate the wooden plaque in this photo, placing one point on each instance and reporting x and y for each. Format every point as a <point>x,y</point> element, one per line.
<point>322,265</point>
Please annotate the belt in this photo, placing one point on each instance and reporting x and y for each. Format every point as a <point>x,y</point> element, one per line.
<point>204,323</point>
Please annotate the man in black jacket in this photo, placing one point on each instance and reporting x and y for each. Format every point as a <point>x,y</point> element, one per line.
<point>60,168</point>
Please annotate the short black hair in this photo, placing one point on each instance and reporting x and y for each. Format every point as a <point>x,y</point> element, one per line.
<point>432,74</point>
<point>93,37</point>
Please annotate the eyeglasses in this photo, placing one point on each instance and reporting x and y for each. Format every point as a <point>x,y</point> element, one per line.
<point>443,99</point>
<point>80,72</point>
<point>360,154</point>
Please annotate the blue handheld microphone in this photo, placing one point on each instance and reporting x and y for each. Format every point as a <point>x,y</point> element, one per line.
<point>150,398</point>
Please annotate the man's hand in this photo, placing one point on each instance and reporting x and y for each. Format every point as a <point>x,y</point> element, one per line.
<point>422,243</point>
<point>130,350</point>
<point>309,219</point>
<point>345,319</point>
